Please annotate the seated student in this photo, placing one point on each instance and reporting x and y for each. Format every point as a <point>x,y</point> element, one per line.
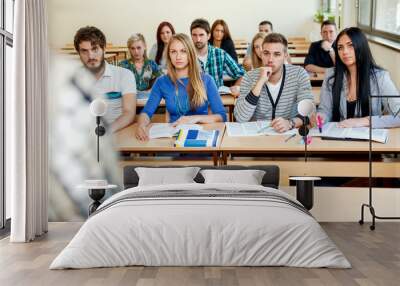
<point>114,83</point>
<point>214,61</point>
<point>254,61</point>
<point>221,38</point>
<point>321,54</point>
<point>263,27</point>
<point>188,93</point>
<point>346,88</point>
<point>164,33</point>
<point>145,70</point>
<point>273,91</point>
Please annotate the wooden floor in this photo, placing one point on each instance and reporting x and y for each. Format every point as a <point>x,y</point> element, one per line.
<point>375,257</point>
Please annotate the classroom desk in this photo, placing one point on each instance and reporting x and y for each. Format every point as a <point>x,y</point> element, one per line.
<point>277,144</point>
<point>325,157</point>
<point>125,142</point>
<point>229,102</point>
<point>298,61</point>
<point>316,79</point>
<point>298,52</point>
<point>241,46</point>
<point>241,53</point>
<point>300,46</point>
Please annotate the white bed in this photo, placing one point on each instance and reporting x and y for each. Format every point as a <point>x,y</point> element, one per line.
<point>201,224</point>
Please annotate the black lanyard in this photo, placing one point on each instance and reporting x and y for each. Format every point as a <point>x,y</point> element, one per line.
<point>275,104</point>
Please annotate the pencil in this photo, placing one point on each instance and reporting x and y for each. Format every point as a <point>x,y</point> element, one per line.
<point>290,137</point>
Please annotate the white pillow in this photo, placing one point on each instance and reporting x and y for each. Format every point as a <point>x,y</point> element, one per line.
<point>249,177</point>
<point>166,176</point>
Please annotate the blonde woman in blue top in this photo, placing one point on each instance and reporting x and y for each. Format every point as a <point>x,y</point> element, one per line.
<point>145,70</point>
<point>190,96</point>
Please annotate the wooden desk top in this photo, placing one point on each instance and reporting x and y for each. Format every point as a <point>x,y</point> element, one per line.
<point>298,52</point>
<point>241,53</point>
<point>299,46</point>
<point>125,141</point>
<point>277,144</point>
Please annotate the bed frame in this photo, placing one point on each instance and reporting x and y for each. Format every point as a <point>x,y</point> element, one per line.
<point>270,179</point>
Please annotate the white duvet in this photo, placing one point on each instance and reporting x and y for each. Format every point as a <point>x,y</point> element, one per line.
<point>192,231</point>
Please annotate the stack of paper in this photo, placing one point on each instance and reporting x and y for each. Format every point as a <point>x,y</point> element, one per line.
<point>224,90</point>
<point>254,128</point>
<point>332,131</point>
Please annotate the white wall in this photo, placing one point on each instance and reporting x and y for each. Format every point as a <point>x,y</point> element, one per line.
<point>389,60</point>
<point>118,19</point>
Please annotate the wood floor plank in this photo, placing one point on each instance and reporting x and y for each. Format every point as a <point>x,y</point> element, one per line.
<point>375,258</point>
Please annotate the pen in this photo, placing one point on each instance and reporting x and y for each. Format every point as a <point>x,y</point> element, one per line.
<point>290,137</point>
<point>319,123</point>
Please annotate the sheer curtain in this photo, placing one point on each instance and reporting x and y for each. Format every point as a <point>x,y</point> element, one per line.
<point>26,117</point>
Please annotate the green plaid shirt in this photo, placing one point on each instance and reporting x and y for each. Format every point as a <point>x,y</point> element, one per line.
<point>220,63</point>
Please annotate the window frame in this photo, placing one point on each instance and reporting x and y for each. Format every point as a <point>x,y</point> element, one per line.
<point>370,29</point>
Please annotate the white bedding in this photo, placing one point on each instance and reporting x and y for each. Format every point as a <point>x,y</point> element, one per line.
<point>183,231</point>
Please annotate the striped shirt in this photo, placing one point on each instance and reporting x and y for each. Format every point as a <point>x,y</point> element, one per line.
<point>296,87</point>
<point>219,63</point>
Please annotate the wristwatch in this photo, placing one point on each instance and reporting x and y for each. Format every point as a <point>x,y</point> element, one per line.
<point>291,124</point>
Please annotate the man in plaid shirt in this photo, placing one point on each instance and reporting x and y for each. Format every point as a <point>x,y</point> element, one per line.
<point>214,61</point>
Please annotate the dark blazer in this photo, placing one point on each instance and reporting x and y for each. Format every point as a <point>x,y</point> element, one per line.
<point>317,56</point>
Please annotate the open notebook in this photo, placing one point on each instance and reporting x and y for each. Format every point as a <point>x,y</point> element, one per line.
<point>160,130</point>
<point>253,128</point>
<point>331,131</point>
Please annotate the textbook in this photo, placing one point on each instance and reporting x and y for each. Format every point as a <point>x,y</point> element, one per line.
<point>197,138</point>
<point>331,131</point>
<point>161,130</point>
<point>254,128</point>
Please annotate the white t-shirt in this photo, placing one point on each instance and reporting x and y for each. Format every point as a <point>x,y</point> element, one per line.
<point>274,89</point>
<point>113,85</point>
<point>203,59</point>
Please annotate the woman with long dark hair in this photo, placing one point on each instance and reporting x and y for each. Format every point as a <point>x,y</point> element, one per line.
<point>164,33</point>
<point>347,87</point>
<point>221,38</point>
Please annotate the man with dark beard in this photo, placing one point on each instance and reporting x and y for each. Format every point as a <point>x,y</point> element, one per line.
<point>214,61</point>
<point>114,83</point>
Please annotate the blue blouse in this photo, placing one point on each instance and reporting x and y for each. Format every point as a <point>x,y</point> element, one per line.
<point>177,102</point>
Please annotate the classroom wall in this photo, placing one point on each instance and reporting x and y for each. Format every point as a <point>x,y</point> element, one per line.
<point>120,18</point>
